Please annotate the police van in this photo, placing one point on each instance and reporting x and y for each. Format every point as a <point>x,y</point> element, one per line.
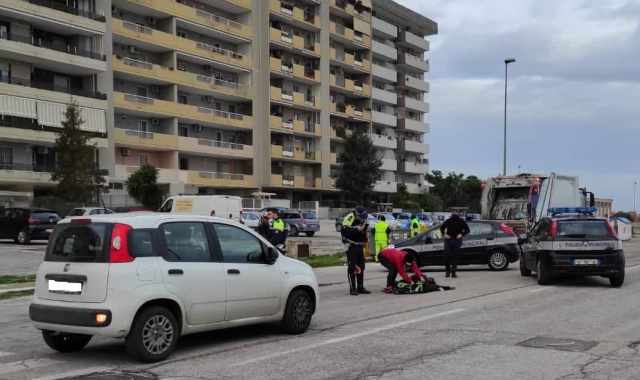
<point>572,241</point>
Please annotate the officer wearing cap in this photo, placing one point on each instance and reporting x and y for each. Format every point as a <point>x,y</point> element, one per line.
<point>356,235</point>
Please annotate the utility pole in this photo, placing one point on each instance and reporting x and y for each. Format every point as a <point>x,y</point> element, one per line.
<point>504,153</point>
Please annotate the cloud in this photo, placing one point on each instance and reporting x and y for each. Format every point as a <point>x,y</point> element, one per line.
<point>573,92</point>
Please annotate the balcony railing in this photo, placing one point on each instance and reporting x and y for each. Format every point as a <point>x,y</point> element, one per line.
<point>39,42</point>
<point>221,144</point>
<point>218,50</point>
<point>27,167</point>
<point>222,114</point>
<point>67,9</point>
<point>137,27</point>
<point>137,63</point>
<point>138,98</point>
<point>218,82</point>
<point>216,20</point>
<point>139,134</point>
<point>220,175</point>
<point>52,87</point>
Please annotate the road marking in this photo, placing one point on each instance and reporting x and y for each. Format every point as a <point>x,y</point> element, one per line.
<point>349,337</point>
<point>26,365</point>
<point>74,373</point>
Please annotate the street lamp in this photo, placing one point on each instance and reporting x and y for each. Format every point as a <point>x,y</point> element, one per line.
<point>635,195</point>
<point>504,155</point>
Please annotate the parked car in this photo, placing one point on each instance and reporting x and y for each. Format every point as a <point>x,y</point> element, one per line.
<point>163,276</point>
<point>250,218</point>
<point>85,211</point>
<point>26,224</point>
<point>403,220</point>
<point>297,224</point>
<point>576,244</point>
<point>119,210</point>
<point>311,221</point>
<point>491,243</point>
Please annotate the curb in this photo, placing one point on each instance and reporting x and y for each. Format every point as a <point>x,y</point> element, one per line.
<point>3,291</point>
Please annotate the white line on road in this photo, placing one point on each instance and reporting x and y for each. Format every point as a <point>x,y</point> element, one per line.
<point>349,337</point>
<point>74,373</point>
<point>25,365</point>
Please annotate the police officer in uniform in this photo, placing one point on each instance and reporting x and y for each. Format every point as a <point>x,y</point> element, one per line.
<point>414,226</point>
<point>278,229</point>
<point>355,234</point>
<point>381,232</point>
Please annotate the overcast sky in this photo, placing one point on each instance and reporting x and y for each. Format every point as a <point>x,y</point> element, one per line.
<point>574,92</point>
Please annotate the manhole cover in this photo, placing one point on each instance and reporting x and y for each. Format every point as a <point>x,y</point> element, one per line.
<point>115,375</point>
<point>562,344</point>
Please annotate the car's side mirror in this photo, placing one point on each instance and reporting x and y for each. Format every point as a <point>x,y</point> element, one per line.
<point>271,255</point>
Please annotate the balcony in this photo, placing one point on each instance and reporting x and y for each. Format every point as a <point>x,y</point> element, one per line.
<point>123,172</point>
<point>164,108</point>
<point>413,168</point>
<point>415,146</point>
<point>294,126</point>
<point>217,179</point>
<point>295,14</point>
<point>385,187</point>
<point>348,36</point>
<point>349,61</point>
<point>413,83</point>
<point>415,188</point>
<point>385,96</point>
<point>385,51</point>
<point>168,41</point>
<point>413,104</point>
<point>198,16</point>
<point>411,62</point>
<point>294,70</point>
<point>342,6</point>
<point>413,41</point>
<point>384,73</point>
<point>294,42</point>
<point>416,126</point>
<point>383,28</point>
<point>350,86</point>
<point>214,147</point>
<point>384,119</point>
<point>292,153</point>
<point>24,173</point>
<point>381,141</point>
<point>389,164</point>
<point>298,182</point>
<point>146,140</point>
<point>294,98</point>
<point>164,74</point>
<point>350,111</point>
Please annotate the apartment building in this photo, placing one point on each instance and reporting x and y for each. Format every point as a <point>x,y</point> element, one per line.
<point>222,96</point>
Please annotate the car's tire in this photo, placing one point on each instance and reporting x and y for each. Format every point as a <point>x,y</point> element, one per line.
<point>543,273</point>
<point>298,313</point>
<point>617,279</point>
<point>63,342</point>
<point>338,228</point>
<point>498,260</point>
<point>310,233</point>
<point>524,271</point>
<point>154,334</point>
<point>23,237</point>
<point>293,231</point>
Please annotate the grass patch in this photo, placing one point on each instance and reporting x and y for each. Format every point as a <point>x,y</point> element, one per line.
<point>17,279</point>
<point>16,294</point>
<point>337,259</point>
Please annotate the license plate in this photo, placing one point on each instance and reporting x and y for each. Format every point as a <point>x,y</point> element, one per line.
<point>586,262</point>
<point>65,287</point>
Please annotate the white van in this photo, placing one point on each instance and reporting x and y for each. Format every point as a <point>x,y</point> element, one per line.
<point>222,206</point>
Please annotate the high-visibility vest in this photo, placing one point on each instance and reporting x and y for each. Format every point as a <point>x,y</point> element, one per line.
<point>278,225</point>
<point>380,231</point>
<point>348,220</point>
<point>414,229</point>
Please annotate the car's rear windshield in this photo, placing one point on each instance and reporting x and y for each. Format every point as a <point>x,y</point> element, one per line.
<point>309,215</point>
<point>76,212</point>
<point>291,216</point>
<point>86,243</point>
<point>583,229</point>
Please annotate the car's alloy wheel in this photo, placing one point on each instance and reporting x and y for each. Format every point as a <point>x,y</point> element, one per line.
<point>23,237</point>
<point>498,261</point>
<point>298,313</point>
<point>157,334</point>
<point>153,335</point>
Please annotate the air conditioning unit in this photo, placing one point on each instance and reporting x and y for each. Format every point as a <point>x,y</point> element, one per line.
<point>124,152</point>
<point>155,122</point>
<point>133,49</point>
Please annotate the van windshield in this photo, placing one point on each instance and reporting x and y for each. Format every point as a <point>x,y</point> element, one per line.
<point>78,243</point>
<point>166,207</point>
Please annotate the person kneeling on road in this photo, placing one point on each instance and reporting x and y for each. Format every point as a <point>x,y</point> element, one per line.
<point>395,261</point>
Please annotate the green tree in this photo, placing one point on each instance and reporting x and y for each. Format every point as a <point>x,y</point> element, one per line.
<point>456,190</point>
<point>143,187</point>
<point>359,167</point>
<point>79,179</point>
<point>430,202</point>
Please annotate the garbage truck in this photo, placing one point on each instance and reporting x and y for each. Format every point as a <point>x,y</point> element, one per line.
<point>521,200</point>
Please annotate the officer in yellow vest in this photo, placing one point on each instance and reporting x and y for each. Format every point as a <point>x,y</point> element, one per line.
<point>414,227</point>
<point>381,232</point>
<point>278,229</point>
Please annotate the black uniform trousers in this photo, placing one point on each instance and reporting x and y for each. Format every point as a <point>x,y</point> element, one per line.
<point>451,253</point>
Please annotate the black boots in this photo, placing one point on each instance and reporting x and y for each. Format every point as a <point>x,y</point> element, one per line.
<point>361,288</point>
<point>353,290</point>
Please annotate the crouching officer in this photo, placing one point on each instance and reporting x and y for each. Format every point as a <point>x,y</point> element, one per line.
<point>356,235</point>
<point>381,233</point>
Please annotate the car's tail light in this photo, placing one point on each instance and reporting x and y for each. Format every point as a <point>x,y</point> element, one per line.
<point>553,230</point>
<point>612,232</point>
<point>119,249</point>
<point>33,220</point>
<point>507,230</point>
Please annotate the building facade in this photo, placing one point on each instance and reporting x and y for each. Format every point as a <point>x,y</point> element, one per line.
<point>222,96</point>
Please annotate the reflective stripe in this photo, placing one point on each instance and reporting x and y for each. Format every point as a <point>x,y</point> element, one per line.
<point>578,245</point>
<point>347,221</point>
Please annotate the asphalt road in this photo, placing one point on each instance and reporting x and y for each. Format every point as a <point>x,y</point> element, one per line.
<point>492,326</point>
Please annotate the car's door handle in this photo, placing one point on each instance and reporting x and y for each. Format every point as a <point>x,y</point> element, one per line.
<point>233,271</point>
<point>176,272</point>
